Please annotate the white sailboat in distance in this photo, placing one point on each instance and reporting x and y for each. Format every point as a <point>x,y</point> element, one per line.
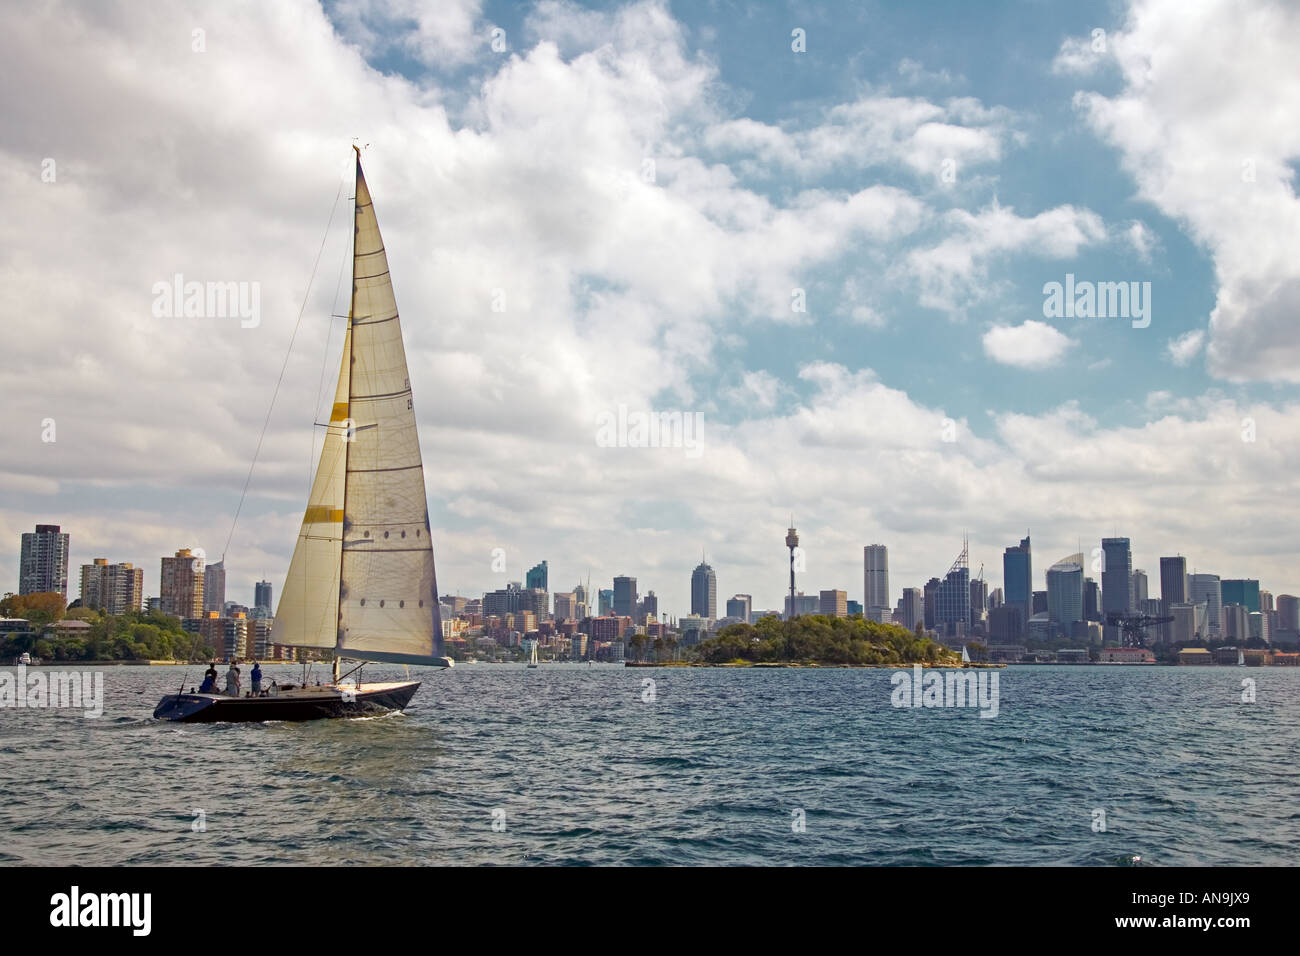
<point>361,581</point>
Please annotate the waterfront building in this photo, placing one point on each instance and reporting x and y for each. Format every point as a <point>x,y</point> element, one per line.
<point>181,585</point>
<point>43,561</point>
<point>111,588</point>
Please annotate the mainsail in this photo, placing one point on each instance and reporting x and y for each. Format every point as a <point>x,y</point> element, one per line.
<point>364,557</point>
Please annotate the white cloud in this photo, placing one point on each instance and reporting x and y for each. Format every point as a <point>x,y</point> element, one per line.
<point>1186,347</point>
<point>1031,345</point>
<point>1081,55</point>
<point>1208,142</point>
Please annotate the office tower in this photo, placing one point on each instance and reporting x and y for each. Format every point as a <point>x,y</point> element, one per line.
<point>43,561</point>
<point>1005,624</point>
<point>1139,590</point>
<point>1018,577</point>
<point>996,599</point>
<point>1091,600</point>
<point>952,600</point>
<point>536,577</point>
<point>502,601</point>
<point>834,603</point>
<point>802,604</point>
<point>181,587</point>
<point>741,606</point>
<point>1257,625</point>
<point>1236,621</point>
<point>111,588</point>
<point>855,608</point>
<point>582,605</point>
<point>605,601</point>
<point>535,601</point>
<point>1065,592</point>
<point>625,596</point>
<point>791,542</point>
<point>648,608</point>
<point>979,601</point>
<point>565,606</point>
<point>930,603</point>
<point>1116,577</point>
<point>1173,582</point>
<point>704,592</point>
<point>1039,605</point>
<point>875,576</point>
<point>1288,613</point>
<point>1206,589</point>
<point>214,587</point>
<point>1266,602</point>
<point>1183,630</point>
<point>262,595</point>
<point>1243,591</point>
<point>913,608</point>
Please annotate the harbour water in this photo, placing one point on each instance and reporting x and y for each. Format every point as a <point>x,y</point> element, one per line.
<point>569,764</point>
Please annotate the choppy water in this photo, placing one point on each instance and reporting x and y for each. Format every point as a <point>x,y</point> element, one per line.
<point>710,772</point>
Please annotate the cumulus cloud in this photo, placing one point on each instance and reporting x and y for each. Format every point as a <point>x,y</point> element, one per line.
<point>1206,143</point>
<point>1186,347</point>
<point>1031,345</point>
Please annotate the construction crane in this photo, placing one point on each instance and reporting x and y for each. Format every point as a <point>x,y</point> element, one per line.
<point>1133,627</point>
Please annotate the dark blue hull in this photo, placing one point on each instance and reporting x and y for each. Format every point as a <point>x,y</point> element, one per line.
<point>312,704</point>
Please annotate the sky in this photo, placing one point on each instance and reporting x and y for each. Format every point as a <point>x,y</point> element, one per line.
<point>826,232</point>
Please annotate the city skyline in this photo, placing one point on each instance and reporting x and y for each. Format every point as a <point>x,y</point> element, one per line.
<point>1091,566</point>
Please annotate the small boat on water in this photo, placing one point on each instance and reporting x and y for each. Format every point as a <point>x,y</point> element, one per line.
<point>1241,659</point>
<point>361,581</point>
<point>532,660</point>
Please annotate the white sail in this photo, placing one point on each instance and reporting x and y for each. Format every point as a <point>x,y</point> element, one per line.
<point>307,615</point>
<point>387,591</point>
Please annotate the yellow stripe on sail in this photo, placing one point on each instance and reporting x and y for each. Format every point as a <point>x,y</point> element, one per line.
<point>320,514</point>
<point>339,412</point>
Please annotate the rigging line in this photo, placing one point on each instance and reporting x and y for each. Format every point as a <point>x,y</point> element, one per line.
<point>283,366</point>
<point>324,360</point>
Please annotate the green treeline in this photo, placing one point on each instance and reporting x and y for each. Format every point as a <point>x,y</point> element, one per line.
<point>134,636</point>
<point>818,639</point>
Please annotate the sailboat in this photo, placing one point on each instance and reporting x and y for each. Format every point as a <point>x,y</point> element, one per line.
<point>361,581</point>
<point>532,660</point>
<point>1241,658</point>
<point>965,656</point>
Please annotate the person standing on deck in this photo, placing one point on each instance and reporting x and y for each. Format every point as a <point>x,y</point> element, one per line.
<point>232,679</point>
<point>257,679</point>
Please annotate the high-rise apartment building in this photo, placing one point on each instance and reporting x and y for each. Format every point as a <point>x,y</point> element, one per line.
<point>214,587</point>
<point>43,561</point>
<point>181,587</point>
<point>112,588</point>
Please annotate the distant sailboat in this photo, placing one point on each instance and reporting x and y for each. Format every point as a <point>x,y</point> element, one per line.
<point>361,581</point>
<point>532,660</point>
<point>965,657</point>
<point>1241,659</point>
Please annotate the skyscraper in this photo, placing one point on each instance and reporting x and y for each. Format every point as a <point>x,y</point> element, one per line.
<point>214,587</point>
<point>704,591</point>
<point>1116,577</point>
<point>930,602</point>
<point>1091,600</point>
<point>43,561</point>
<point>648,609</point>
<point>1018,578</point>
<point>1206,589</point>
<point>181,588</point>
<point>1139,589</point>
<point>952,600</point>
<point>913,608</point>
<point>875,576</point>
<point>111,588</point>
<point>834,603</point>
<point>262,596</point>
<point>536,577</point>
<point>1173,582</point>
<point>625,598</point>
<point>605,601</point>
<point>1065,591</point>
<point>1243,591</point>
<point>741,606</point>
